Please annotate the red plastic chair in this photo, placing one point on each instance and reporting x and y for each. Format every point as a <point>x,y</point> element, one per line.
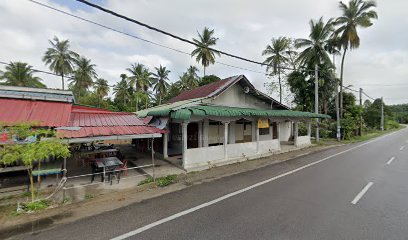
<point>124,167</point>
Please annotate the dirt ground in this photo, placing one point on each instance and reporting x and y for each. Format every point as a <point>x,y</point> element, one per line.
<point>68,212</point>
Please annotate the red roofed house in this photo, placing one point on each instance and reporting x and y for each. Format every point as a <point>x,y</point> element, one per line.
<point>75,124</point>
<point>226,121</point>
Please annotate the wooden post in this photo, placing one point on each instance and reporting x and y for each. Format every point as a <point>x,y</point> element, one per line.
<point>154,175</point>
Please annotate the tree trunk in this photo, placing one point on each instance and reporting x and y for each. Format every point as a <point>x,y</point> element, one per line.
<point>30,176</point>
<point>204,71</point>
<point>160,99</point>
<point>39,176</point>
<point>280,87</point>
<point>62,77</point>
<point>137,103</point>
<point>341,82</point>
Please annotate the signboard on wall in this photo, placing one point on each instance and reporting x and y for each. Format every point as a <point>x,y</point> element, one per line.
<point>263,123</point>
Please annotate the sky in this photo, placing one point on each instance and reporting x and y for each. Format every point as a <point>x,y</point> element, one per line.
<point>244,28</point>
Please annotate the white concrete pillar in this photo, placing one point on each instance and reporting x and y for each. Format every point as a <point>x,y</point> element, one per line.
<point>206,126</point>
<point>200,134</point>
<point>254,126</point>
<point>278,130</point>
<point>309,129</point>
<point>295,132</point>
<point>257,137</point>
<point>165,145</point>
<point>231,133</point>
<point>184,140</point>
<point>225,139</point>
<point>270,129</point>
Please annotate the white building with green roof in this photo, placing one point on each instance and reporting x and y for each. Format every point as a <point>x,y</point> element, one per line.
<point>224,122</point>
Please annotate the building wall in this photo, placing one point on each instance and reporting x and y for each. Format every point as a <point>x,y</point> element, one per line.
<point>235,97</point>
<point>285,130</point>
<point>207,157</point>
<point>303,141</point>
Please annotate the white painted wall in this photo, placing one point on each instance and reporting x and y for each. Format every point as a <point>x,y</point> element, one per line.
<point>303,141</point>
<point>241,150</point>
<point>285,129</point>
<point>235,97</point>
<point>269,146</point>
<point>202,158</point>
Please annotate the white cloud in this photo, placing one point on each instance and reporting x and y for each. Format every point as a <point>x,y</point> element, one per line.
<point>244,28</point>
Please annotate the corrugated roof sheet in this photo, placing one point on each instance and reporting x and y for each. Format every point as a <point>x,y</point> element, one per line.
<point>87,119</point>
<point>44,113</point>
<point>206,90</point>
<point>93,122</point>
<point>108,131</point>
<point>223,111</point>
<point>36,94</point>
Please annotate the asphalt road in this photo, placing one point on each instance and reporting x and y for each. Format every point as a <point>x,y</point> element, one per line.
<point>358,191</point>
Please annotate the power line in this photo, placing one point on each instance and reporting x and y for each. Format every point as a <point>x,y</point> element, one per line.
<point>133,36</point>
<point>176,36</point>
<point>37,70</point>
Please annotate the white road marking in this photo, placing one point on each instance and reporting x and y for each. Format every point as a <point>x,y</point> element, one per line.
<point>361,194</point>
<point>196,208</point>
<point>390,161</point>
<point>401,148</point>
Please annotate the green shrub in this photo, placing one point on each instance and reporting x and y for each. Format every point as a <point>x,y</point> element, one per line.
<point>37,205</point>
<point>165,181</point>
<point>146,181</point>
<point>89,196</point>
<point>391,124</point>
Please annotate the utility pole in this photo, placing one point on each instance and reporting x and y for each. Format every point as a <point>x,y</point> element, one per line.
<point>317,102</point>
<point>382,114</point>
<point>361,112</point>
<point>338,134</point>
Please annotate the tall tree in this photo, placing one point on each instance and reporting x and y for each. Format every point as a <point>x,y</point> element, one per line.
<point>141,78</point>
<point>121,91</point>
<point>203,53</point>
<point>277,55</point>
<point>357,13</point>
<point>21,74</point>
<point>60,58</point>
<point>314,51</point>
<point>101,89</point>
<point>84,75</point>
<point>160,82</point>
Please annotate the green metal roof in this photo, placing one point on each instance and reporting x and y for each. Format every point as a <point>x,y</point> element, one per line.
<point>222,111</point>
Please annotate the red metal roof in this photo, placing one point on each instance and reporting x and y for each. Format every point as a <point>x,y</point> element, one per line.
<point>95,122</point>
<point>205,90</point>
<point>81,119</point>
<point>108,131</point>
<point>44,113</point>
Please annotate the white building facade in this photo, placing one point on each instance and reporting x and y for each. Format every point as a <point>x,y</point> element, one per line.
<point>226,122</point>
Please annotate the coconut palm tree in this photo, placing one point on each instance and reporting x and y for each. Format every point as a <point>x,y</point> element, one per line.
<point>193,76</point>
<point>277,55</point>
<point>121,91</point>
<point>101,89</point>
<point>20,74</point>
<point>60,58</point>
<point>83,76</point>
<point>314,49</point>
<point>136,70</point>
<point>203,53</point>
<point>357,13</point>
<point>160,81</point>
